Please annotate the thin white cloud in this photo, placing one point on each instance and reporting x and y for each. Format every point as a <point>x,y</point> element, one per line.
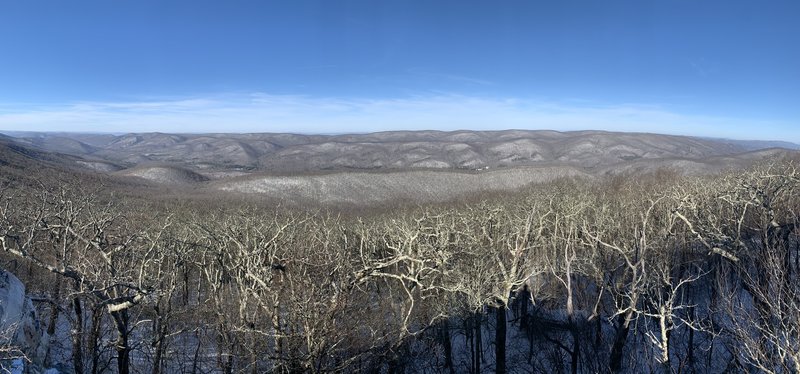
<point>260,112</point>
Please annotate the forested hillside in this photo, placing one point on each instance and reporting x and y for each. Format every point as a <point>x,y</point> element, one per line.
<point>637,273</point>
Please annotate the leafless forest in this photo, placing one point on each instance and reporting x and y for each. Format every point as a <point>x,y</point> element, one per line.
<point>653,271</point>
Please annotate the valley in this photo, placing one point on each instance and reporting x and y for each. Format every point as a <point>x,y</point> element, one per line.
<point>380,168</point>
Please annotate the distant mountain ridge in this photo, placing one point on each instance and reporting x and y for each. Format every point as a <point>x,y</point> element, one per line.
<point>386,150</point>
<point>759,144</point>
<point>364,169</point>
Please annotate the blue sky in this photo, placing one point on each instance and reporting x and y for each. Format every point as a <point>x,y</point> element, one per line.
<point>712,68</point>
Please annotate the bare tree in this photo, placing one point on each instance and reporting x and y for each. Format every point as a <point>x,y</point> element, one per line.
<point>75,236</point>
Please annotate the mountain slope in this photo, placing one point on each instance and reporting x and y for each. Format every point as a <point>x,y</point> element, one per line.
<point>364,169</point>
<point>365,188</point>
<point>384,150</point>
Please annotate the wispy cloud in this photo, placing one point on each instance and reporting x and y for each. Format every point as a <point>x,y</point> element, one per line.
<point>261,112</point>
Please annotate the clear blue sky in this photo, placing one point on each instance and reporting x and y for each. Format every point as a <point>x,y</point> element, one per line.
<point>727,68</point>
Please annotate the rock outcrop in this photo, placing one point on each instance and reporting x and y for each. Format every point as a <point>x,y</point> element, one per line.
<point>20,330</point>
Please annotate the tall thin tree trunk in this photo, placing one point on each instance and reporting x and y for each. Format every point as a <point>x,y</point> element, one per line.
<point>54,314</point>
<point>94,338</point>
<point>500,340</point>
<point>77,336</point>
<point>664,343</point>
<point>121,345</point>
<point>620,339</point>
<point>196,353</point>
<point>524,298</point>
<point>447,345</point>
<point>185,295</point>
<point>276,327</point>
<point>478,340</point>
<point>160,328</point>
<point>573,328</point>
<point>576,344</point>
<point>469,341</point>
<point>690,345</point>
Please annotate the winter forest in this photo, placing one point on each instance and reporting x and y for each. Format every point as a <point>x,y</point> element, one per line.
<point>650,273</point>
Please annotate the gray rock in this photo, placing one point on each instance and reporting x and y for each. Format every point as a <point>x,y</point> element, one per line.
<point>19,326</point>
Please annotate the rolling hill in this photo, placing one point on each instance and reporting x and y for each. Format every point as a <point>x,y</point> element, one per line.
<point>384,150</point>
<point>362,169</point>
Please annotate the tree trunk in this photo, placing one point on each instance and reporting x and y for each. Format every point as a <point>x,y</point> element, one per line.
<point>94,338</point>
<point>54,310</point>
<point>77,336</point>
<point>620,339</point>
<point>576,345</point>
<point>665,328</point>
<point>160,329</point>
<point>447,346</point>
<point>276,327</point>
<point>690,345</point>
<point>526,298</point>
<point>121,345</point>
<point>478,341</point>
<point>500,340</point>
<point>196,353</point>
<point>186,288</point>
<point>469,341</point>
